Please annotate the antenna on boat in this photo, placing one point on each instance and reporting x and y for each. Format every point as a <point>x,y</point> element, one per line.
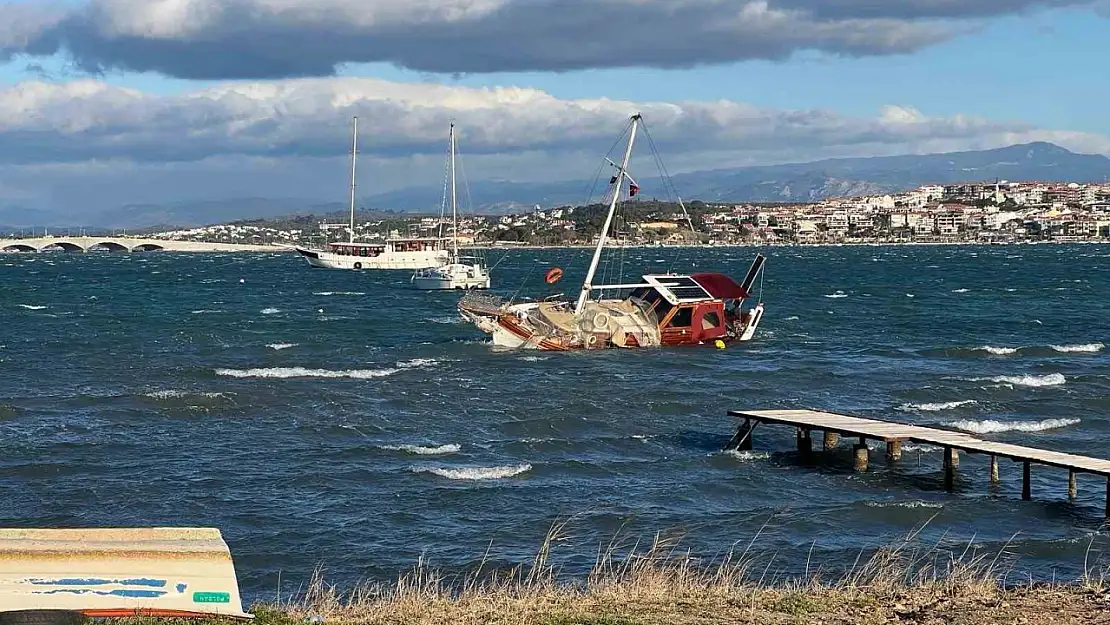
<point>354,160</point>
<point>618,180</point>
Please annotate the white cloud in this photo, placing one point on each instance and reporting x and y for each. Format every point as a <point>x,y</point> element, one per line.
<point>283,38</point>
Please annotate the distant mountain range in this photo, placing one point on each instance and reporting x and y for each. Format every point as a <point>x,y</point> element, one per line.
<point>797,182</point>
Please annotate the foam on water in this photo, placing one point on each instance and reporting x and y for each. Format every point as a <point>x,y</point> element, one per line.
<point>936,407</point>
<point>745,456</point>
<point>960,290</point>
<point>176,394</point>
<point>1052,379</point>
<point>998,351</point>
<point>32,307</point>
<point>1089,348</point>
<point>991,426</point>
<point>270,311</point>
<point>302,372</point>
<point>419,450</point>
<point>331,293</point>
<point>417,363</point>
<point>837,295</point>
<point>204,311</point>
<point>281,346</point>
<point>476,473</point>
<point>903,504</point>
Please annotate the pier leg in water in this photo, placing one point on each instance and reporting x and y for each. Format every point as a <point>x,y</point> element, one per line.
<point>951,461</point>
<point>805,443</point>
<point>1025,492</point>
<point>894,451</point>
<point>862,455</point>
<point>742,440</point>
<point>1073,488</point>
<point>994,470</point>
<point>832,439</point>
<point>1108,497</point>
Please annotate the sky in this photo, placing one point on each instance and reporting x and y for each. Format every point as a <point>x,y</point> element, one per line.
<point>110,102</point>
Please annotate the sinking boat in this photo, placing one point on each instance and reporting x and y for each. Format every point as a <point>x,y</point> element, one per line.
<point>661,310</point>
<point>458,273</point>
<point>393,253</point>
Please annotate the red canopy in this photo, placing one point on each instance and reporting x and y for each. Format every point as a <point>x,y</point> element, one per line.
<point>720,286</point>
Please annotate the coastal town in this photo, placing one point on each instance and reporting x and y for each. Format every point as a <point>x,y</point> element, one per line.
<point>985,212</point>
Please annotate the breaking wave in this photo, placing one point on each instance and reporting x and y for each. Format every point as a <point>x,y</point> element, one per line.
<point>746,456</point>
<point>476,473</point>
<point>1052,379</point>
<point>1089,348</point>
<point>330,293</point>
<point>990,426</point>
<point>903,504</point>
<point>281,346</point>
<point>837,295</point>
<point>204,311</point>
<point>302,372</point>
<point>270,311</point>
<point>175,394</point>
<point>998,351</point>
<point>439,450</point>
<point>416,363</point>
<point>960,290</point>
<point>32,307</point>
<point>936,407</point>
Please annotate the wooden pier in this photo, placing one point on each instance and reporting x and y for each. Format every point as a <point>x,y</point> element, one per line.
<point>835,426</point>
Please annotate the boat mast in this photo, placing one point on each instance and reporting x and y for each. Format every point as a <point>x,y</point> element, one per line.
<point>454,203</point>
<point>354,159</point>
<point>588,284</point>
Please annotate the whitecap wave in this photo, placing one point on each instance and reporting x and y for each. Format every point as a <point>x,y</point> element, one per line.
<point>281,346</point>
<point>837,295</point>
<point>32,307</point>
<point>991,426</point>
<point>998,351</point>
<point>746,456</point>
<point>331,293</point>
<point>439,450</point>
<point>910,295</point>
<point>476,473</point>
<point>960,290</point>
<point>417,363</point>
<point>1088,348</point>
<point>302,372</point>
<point>1052,379</point>
<point>270,311</point>
<point>936,407</point>
<point>204,311</point>
<point>903,504</point>
<point>176,394</point>
<point>446,320</point>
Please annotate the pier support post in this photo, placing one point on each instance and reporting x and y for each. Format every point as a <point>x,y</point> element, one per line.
<point>805,443</point>
<point>1073,488</point>
<point>951,461</point>
<point>894,451</point>
<point>832,439</point>
<point>862,454</point>
<point>1108,497</point>
<point>742,440</point>
<point>994,470</point>
<point>1026,494</point>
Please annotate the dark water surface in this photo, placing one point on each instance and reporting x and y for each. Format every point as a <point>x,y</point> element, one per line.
<point>340,419</point>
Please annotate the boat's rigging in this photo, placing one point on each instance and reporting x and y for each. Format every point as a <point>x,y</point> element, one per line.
<point>354,173</point>
<point>668,187</point>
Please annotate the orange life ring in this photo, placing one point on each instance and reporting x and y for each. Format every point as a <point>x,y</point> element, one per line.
<point>553,275</point>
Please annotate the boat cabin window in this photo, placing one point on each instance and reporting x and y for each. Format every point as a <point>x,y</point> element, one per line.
<point>683,318</point>
<point>710,320</point>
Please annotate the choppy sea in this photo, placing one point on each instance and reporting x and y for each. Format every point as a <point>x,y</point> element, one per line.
<point>342,420</point>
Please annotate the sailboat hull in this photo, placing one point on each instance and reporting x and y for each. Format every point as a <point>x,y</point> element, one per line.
<point>386,260</point>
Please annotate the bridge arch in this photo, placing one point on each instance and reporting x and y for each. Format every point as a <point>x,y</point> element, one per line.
<point>19,247</point>
<point>148,247</point>
<point>65,246</point>
<point>110,246</point>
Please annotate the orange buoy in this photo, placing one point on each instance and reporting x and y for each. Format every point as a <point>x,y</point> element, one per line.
<point>553,275</point>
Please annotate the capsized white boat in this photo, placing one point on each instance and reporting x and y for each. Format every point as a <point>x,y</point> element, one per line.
<point>393,253</point>
<point>455,274</point>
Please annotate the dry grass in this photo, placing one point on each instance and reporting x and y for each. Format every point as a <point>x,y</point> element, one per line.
<point>658,584</point>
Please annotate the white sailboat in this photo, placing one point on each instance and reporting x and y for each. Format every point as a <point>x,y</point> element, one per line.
<point>454,274</point>
<point>393,253</point>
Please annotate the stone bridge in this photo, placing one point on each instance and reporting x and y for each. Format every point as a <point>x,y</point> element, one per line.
<point>126,244</point>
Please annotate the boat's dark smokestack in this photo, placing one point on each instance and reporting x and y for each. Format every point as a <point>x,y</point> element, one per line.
<point>753,273</point>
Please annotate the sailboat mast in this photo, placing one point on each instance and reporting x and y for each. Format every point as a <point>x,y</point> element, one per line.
<point>354,160</point>
<point>454,204</point>
<point>588,284</point>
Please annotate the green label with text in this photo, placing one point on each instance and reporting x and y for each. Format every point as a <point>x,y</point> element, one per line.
<point>211,597</point>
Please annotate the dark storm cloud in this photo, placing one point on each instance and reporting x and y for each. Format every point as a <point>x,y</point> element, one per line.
<point>283,38</point>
